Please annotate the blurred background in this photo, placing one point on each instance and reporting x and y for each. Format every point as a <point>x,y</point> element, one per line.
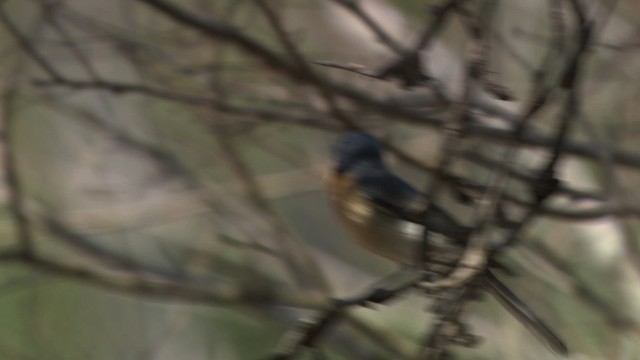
<point>164,166</point>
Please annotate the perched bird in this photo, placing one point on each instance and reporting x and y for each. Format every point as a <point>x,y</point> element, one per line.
<point>387,216</point>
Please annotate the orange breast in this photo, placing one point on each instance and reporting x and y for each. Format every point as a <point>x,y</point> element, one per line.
<point>373,228</point>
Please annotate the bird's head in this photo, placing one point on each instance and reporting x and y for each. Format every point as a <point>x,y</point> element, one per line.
<point>355,149</point>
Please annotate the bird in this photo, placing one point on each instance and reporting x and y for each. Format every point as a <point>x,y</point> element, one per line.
<point>387,216</point>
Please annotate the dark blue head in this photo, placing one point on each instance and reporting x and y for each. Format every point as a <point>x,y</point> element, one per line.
<point>354,149</point>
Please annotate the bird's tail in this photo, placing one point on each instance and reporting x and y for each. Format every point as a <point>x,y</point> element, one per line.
<point>525,315</point>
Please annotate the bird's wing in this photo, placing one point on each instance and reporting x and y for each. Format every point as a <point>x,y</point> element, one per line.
<point>398,197</point>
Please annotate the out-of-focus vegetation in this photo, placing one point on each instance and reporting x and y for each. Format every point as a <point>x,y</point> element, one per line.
<point>163,166</point>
